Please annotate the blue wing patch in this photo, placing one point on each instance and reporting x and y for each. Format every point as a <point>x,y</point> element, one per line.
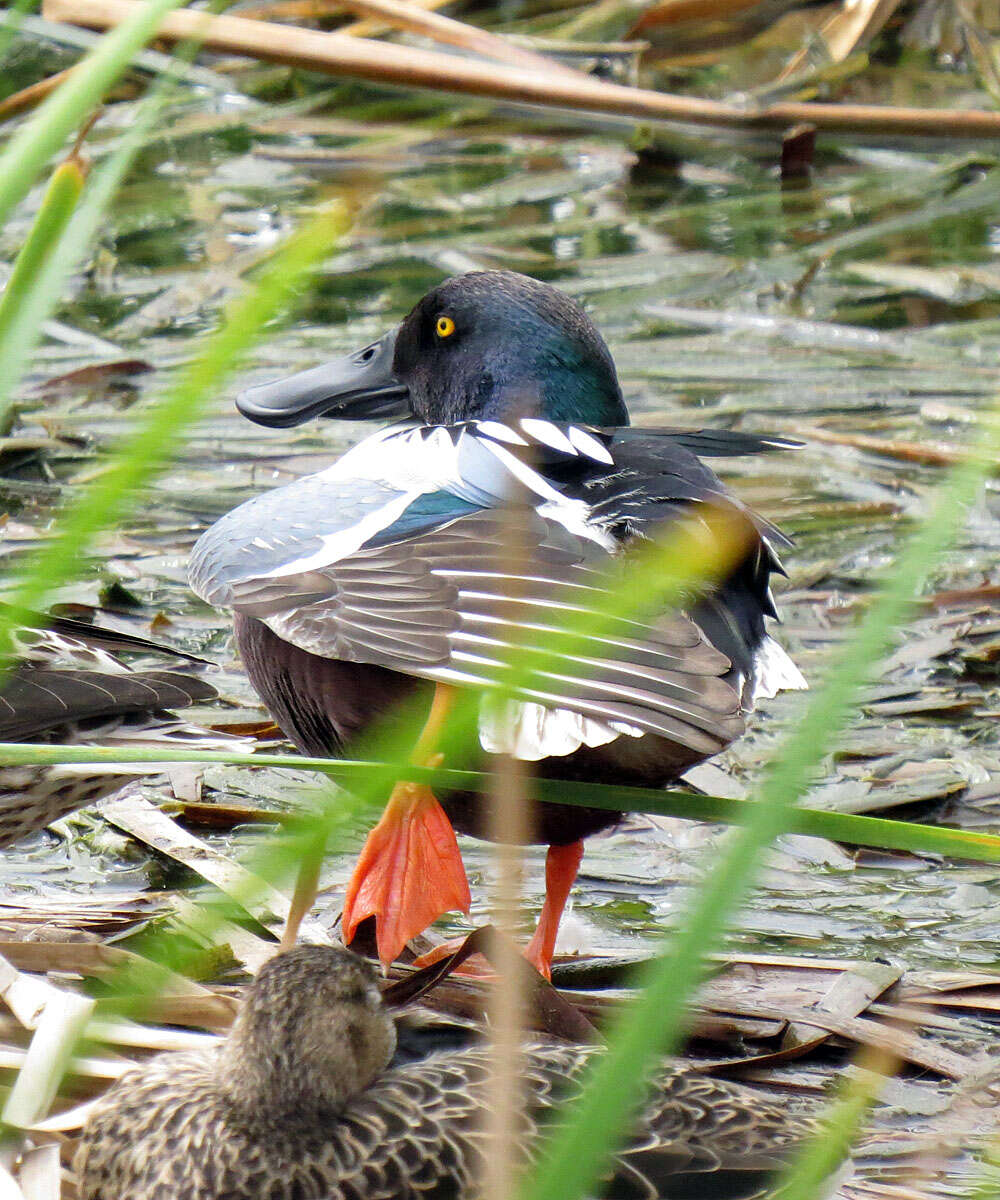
<point>426,513</point>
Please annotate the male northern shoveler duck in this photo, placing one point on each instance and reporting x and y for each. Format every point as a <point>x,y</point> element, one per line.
<point>302,1100</point>
<point>71,686</point>
<point>387,576</point>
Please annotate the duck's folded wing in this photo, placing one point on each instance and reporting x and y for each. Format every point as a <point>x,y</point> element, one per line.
<point>437,587</point>
<point>715,443</point>
<point>694,1138</point>
<point>35,700</point>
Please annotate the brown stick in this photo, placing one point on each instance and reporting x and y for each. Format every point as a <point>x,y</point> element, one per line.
<point>509,830</point>
<point>918,452</point>
<point>403,15</point>
<point>30,96</point>
<point>369,27</point>
<point>383,62</point>
<point>291,10</point>
<point>400,14</point>
<point>678,12</point>
<point>306,10</point>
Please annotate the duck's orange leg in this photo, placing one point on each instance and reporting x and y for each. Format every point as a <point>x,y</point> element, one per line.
<point>410,871</point>
<point>561,866</point>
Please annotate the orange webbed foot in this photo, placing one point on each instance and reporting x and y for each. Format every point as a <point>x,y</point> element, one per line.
<point>561,866</point>
<point>477,966</point>
<point>410,872</point>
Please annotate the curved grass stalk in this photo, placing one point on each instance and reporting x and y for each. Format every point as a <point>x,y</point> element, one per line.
<point>11,26</point>
<point>161,432</point>
<point>34,144</point>
<point>850,828</point>
<point>59,250</point>
<point>57,207</point>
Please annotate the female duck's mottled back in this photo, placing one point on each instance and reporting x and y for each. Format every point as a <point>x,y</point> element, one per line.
<point>300,1103</point>
<point>391,575</point>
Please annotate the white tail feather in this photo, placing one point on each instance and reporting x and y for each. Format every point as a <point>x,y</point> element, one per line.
<point>530,731</point>
<point>775,672</point>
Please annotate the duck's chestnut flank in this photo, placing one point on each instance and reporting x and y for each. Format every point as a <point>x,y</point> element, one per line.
<point>387,576</point>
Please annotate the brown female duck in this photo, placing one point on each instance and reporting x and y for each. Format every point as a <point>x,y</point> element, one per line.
<point>302,1102</point>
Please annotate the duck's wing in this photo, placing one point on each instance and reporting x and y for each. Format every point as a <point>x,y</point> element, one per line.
<point>716,443</point>
<point>57,638</point>
<point>35,700</point>
<point>69,671</point>
<point>435,550</point>
<point>655,468</point>
<point>695,1138</point>
<point>699,1138</point>
<point>56,693</point>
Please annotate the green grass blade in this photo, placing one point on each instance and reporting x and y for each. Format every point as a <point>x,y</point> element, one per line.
<point>654,1023</point>
<point>849,828</point>
<point>12,24</point>
<point>21,331</point>
<point>57,207</point>
<point>160,434</point>
<point>988,1187</point>
<point>44,135</point>
<point>21,334</point>
<point>816,1161</point>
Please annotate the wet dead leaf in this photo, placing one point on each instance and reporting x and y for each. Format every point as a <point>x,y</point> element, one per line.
<point>90,376</point>
<point>144,821</point>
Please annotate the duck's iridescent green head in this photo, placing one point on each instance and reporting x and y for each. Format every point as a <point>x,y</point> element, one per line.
<point>484,346</point>
<point>493,344</point>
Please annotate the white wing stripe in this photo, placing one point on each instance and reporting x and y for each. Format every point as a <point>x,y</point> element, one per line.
<point>587,444</point>
<point>643,698</point>
<point>502,433</point>
<point>343,542</point>
<point>675,682</point>
<point>532,480</point>
<point>548,434</point>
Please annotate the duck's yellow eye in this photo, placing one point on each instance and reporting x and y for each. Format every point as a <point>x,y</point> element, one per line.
<point>445,327</point>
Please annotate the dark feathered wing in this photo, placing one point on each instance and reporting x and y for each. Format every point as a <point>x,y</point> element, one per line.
<point>69,687</point>
<point>433,551</point>
<point>36,700</point>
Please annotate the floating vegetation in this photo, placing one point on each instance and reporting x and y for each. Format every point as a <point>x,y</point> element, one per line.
<point>844,292</point>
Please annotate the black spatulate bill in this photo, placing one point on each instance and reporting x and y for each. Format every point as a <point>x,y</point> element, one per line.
<point>359,386</point>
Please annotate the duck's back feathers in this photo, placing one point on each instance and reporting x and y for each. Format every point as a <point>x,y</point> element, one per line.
<point>430,551</point>
<point>166,1129</point>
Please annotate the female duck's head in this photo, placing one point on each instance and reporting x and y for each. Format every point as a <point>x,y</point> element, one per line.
<point>483,346</point>
<point>313,1032</point>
